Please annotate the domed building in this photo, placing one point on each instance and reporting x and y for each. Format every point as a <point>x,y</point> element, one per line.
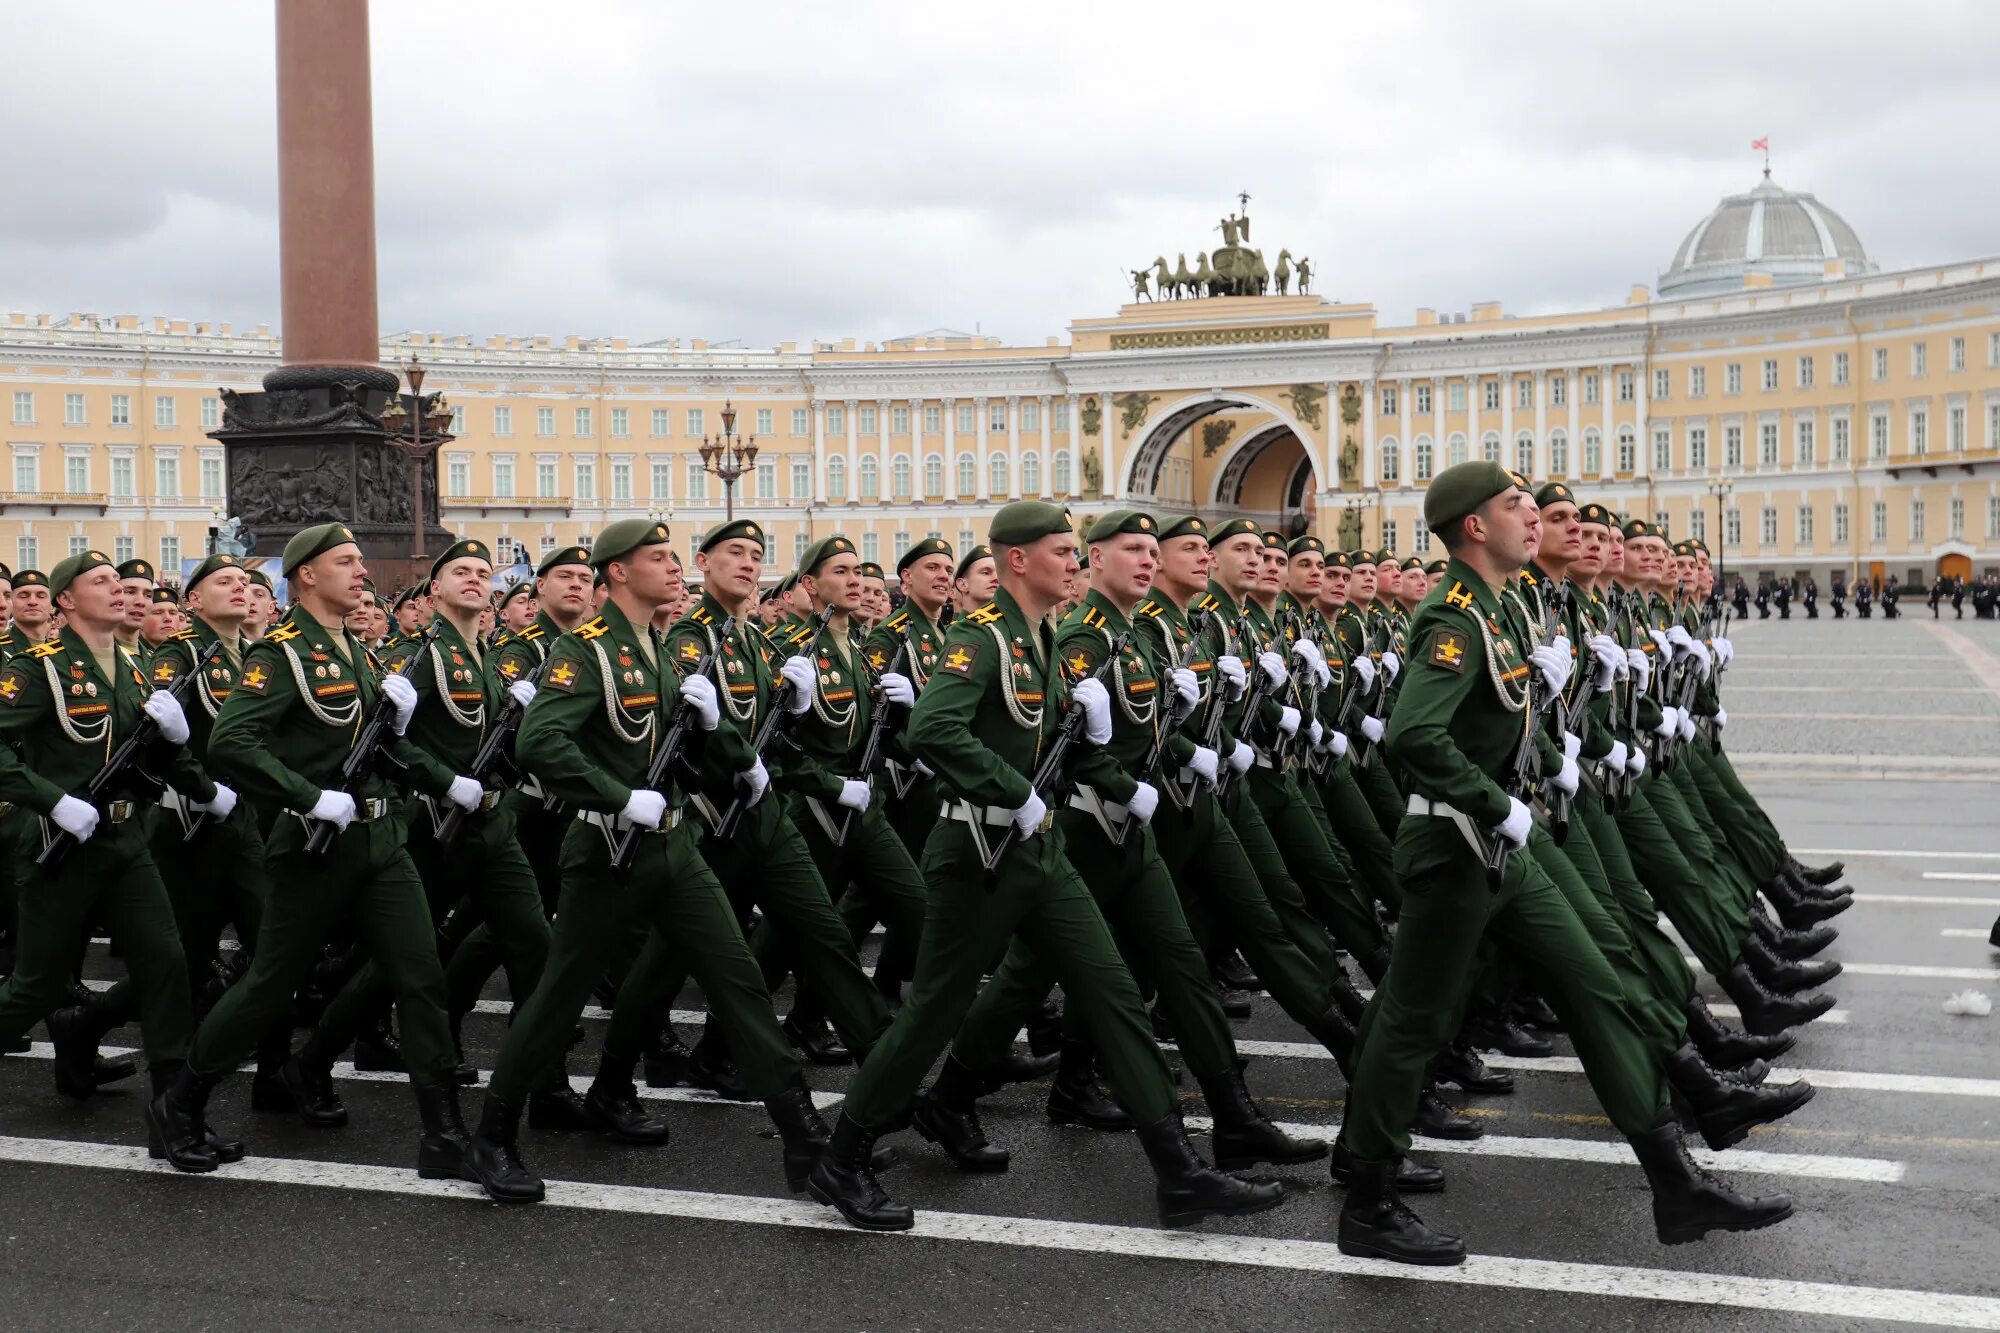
<point>1769,236</point>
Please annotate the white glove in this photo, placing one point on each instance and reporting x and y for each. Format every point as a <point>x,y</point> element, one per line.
<point>1664,642</point>
<point>1145,800</point>
<point>1678,636</point>
<point>1572,745</point>
<point>1336,743</point>
<point>1562,645</point>
<point>1273,667</point>
<point>224,802</point>
<point>1232,672</point>
<point>1188,686</point>
<point>1392,666</point>
<point>335,808</point>
<point>897,689</point>
<point>1725,651</point>
<point>464,792</point>
<point>1554,666</point>
<point>1636,761</point>
<point>1701,655</point>
<point>1288,721</point>
<point>1687,725</point>
<point>758,779</point>
<point>1721,718</point>
<point>698,693</point>
<point>1315,733</point>
<point>403,696</point>
<point>644,808</point>
<point>1095,701</point>
<point>1028,819</point>
<point>922,768</point>
<point>1642,666</point>
<point>1242,757</point>
<point>1670,721</point>
<point>74,817</point>
<point>1610,660</point>
<point>854,794</point>
<point>522,692</point>
<point>1364,666</point>
<point>1615,761</point>
<point>1517,825</point>
<point>1204,762</point>
<point>1567,779</point>
<point>165,710</point>
<point>1308,652</point>
<point>805,682</point>
<point>1371,727</point>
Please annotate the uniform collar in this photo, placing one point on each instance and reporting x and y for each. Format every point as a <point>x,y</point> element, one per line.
<point>1097,601</point>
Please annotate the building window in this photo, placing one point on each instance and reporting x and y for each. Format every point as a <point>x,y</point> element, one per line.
<point>801,422</point>
<point>1697,448</point>
<point>1805,372</point>
<point>836,478</point>
<point>1732,378</point>
<point>123,548</point>
<point>767,479</point>
<point>1063,485</point>
<point>1839,369</point>
<point>1698,523</point>
<point>1421,540</point>
<point>1920,360</point>
<point>621,422</point>
<point>1524,454</point>
<point>996,474</point>
<point>73,409</point>
<point>663,422</point>
<point>1625,388</point>
<point>76,473</point>
<point>1767,444</point>
<point>457,426</point>
<point>1591,390</point>
<point>1454,451</point>
<point>1879,521</point>
<point>1423,408</point>
<point>1920,431</point>
<point>503,478</point>
<point>1031,415</point>
<point>1061,413</point>
<point>27,473</point>
<point>1697,381</point>
<point>802,478</point>
<point>170,555</point>
<point>1806,448</point>
<point>996,418</point>
<point>1843,444</point>
<point>1388,400</point>
<point>1489,447</point>
<point>661,476</point>
<point>1593,453</point>
<point>503,421</point>
<point>1390,463</point>
<point>968,475</point>
<point>1954,428</point>
<point>1957,512</point>
<point>621,480</point>
<point>868,478</point>
<point>1558,454</point>
<point>933,419</point>
<point>697,480</point>
<point>1732,446</point>
<point>1388,534</point>
<point>1916,520</point>
<point>1558,391</point>
<point>1031,473</point>
<point>1490,395</point>
<point>899,477</point>
<point>1878,435</point>
<point>1663,448</point>
<point>965,423</point>
<point>1662,383</point>
<point>27,553</point>
<point>1881,363</point>
<point>766,423</point>
<point>1993,425</point>
<point>581,420</point>
<point>167,477</point>
<point>697,422</point>
<point>1805,528</point>
<point>799,543</point>
<point>898,545</point>
<point>866,420</point>
<point>1840,524</point>
<point>1422,459</point>
<point>24,408</point>
<point>584,472</point>
<point>1993,515</point>
<point>1660,517</point>
<point>211,478</point>
<point>1770,375</point>
<point>1626,445</point>
<point>933,476</point>
<point>458,478</point>
<point>1455,396</point>
<point>1767,525</point>
<point>899,420</point>
<point>545,479</point>
<point>545,421</point>
<point>1524,393</point>
<point>871,548</point>
<point>124,478</point>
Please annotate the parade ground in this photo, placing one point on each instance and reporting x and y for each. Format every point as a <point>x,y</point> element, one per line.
<point>1872,742</point>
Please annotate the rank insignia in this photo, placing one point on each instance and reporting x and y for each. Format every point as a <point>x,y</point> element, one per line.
<point>256,679</point>
<point>1448,649</point>
<point>1458,597</point>
<point>690,651</point>
<point>510,668</point>
<point>165,670</point>
<point>960,659</point>
<point>562,676</point>
<point>11,685</point>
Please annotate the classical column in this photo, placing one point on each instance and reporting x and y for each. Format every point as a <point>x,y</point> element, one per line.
<point>1642,465</point>
<point>1575,470</point>
<point>1407,463</point>
<point>1472,444</point>
<point>948,408</point>
<point>1607,460</point>
<point>1368,479</point>
<point>850,408</point>
<point>818,410</point>
<point>1013,447</point>
<point>979,470</point>
<point>917,449</point>
<point>1540,470</point>
<point>1507,392</point>
<point>1048,450</point>
<point>884,487</point>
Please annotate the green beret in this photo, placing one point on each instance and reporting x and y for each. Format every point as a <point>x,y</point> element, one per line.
<point>748,529</point>
<point>138,569</point>
<point>525,588</point>
<point>1235,527</point>
<point>1699,545</point>
<point>562,555</point>
<point>368,586</point>
<point>1462,488</point>
<point>1437,567</point>
<point>1273,541</point>
<point>1339,560</point>
<point>1596,515</point>
<point>823,550</point>
<point>871,570</point>
<point>972,557</point>
<point>314,542</point>
<point>1685,548</point>
<point>1025,522</point>
<point>928,546</point>
<point>1411,562</point>
<point>73,568</point>
<point>6,573</point>
<point>1552,493</point>
<point>259,578</point>
<point>31,578</point>
<point>1300,545</point>
<point>215,564</point>
<point>1383,557</point>
<point>1082,560</point>
<point>1191,526</point>
<point>469,548</point>
<point>785,585</point>
<point>165,595</point>
<point>1120,521</point>
<point>1638,527</point>
<point>624,537</point>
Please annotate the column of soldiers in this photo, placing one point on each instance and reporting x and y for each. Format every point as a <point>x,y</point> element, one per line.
<point>1153,763</point>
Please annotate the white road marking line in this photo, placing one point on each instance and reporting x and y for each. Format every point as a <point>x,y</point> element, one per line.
<point>1762,716</point>
<point>1909,970</point>
<point>1925,900</point>
<point>1735,688</point>
<point>1938,1309</point>
<point>1966,933</point>
<point>1964,876</point>
<point>1833,1016</point>
<point>1840,854</point>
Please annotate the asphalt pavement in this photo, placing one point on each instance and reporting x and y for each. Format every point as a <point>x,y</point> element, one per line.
<point>1877,743</point>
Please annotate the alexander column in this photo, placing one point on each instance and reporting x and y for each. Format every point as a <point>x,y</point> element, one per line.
<point>311,447</point>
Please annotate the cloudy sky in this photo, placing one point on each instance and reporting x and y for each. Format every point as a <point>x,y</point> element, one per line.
<point>770,172</point>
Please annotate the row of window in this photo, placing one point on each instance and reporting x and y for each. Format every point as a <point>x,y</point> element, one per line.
<point>123,479</point>
<point>763,484</point>
<point>28,551</point>
<point>166,410</point>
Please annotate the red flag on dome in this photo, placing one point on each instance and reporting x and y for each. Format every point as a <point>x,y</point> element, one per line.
<point>1764,144</point>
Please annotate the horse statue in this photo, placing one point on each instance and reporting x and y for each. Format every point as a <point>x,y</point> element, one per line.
<point>1204,276</point>
<point>1283,275</point>
<point>1260,277</point>
<point>1163,281</point>
<point>1183,280</point>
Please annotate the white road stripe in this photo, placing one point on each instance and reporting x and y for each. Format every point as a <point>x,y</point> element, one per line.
<point>1938,1309</point>
<point>1833,1016</point>
<point>1909,970</point>
<point>1925,900</point>
<point>1966,933</point>
<point>1841,854</point>
<point>1964,876</point>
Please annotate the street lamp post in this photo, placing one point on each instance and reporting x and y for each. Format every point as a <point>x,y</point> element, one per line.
<point>433,415</point>
<point>1719,488</point>
<point>728,458</point>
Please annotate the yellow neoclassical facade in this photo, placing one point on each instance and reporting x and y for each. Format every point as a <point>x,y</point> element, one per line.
<point>1849,416</point>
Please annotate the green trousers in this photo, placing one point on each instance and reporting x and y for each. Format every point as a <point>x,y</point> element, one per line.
<point>1384,797</point>
<point>365,881</point>
<point>1675,882</point>
<point>1356,827</point>
<point>1143,908</point>
<point>112,876</point>
<point>1578,873</point>
<point>1447,910</point>
<point>1274,876</point>
<point>485,877</point>
<point>474,952</point>
<point>1629,901</point>
<point>870,870</point>
<point>672,892</point>
<point>1332,897</point>
<point>1746,831</point>
<point>1037,894</point>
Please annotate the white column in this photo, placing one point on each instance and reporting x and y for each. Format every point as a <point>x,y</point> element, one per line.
<point>1642,466</point>
<point>818,410</point>
<point>1013,447</point>
<point>1575,471</point>
<point>1507,392</point>
<point>1048,448</point>
<point>1607,462</point>
<point>1541,469</point>
<point>1472,416</point>
<point>979,473</point>
<point>1368,392</point>
<point>948,408</point>
<point>1406,467</point>
<point>851,408</point>
<point>917,450</point>
<point>882,483</point>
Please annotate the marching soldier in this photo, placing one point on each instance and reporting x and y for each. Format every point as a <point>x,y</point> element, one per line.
<point>136,580</point>
<point>974,581</point>
<point>30,611</point>
<point>1890,594</point>
<point>1812,598</point>
<point>1839,599</point>
<point>517,608</point>
<point>1864,597</point>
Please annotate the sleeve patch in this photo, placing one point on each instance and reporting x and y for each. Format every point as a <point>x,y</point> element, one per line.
<point>256,678</point>
<point>1449,648</point>
<point>1079,660</point>
<point>959,659</point>
<point>510,668</point>
<point>562,676</point>
<point>13,684</point>
<point>165,669</point>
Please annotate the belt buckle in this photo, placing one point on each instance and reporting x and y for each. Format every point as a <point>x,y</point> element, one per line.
<point>117,812</point>
<point>1048,821</point>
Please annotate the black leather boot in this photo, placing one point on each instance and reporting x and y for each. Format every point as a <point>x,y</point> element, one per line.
<point>445,1150</point>
<point>612,1104</point>
<point>1243,1136</point>
<point>1333,1032</point>
<point>1798,912</point>
<point>1374,964</point>
<point>948,1115</point>
<point>1532,1010</point>
<point>816,1041</point>
<point>1045,1029</point>
<point>558,1110</point>
<point>1188,1188</point>
<point>1727,1112</point>
<point>494,1156</point>
<point>1375,1223</point>
<point>1796,945</point>
<point>1826,874</point>
<point>1235,1003</point>
<point>108,1069</point>
<point>1346,997</point>
<point>377,1050</point>
<point>308,1076</point>
<point>75,1032</point>
<point>1074,1097</point>
<point>1017,1068</point>
<point>1460,1064</point>
<point>1765,1014</point>
<point>709,1066</point>
<point>1235,974</point>
<point>1499,1032</point>
<point>1724,1046</point>
<point>1993,938</point>
<point>175,1130</point>
<point>1411,1177</point>
<point>844,1178</point>
<point>800,1129</point>
<point>1781,974</point>
<point>1688,1203</point>
<point>1438,1119</point>
<point>667,1062</point>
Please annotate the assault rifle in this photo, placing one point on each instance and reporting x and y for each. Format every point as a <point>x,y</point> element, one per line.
<point>1048,773</point>
<point>1521,771</point>
<point>1253,694</point>
<point>497,749</point>
<point>878,734</point>
<point>359,764</point>
<point>775,719</point>
<point>626,845</point>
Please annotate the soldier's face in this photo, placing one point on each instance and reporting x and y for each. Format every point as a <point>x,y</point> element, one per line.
<point>928,581</point>
<point>1184,562</point>
<point>222,596</point>
<point>336,578</point>
<point>981,581</point>
<point>1305,575</point>
<point>1271,569</point>
<point>1388,579</point>
<point>732,568</point>
<point>519,613</point>
<point>357,619</point>
<point>1045,566</point>
<point>138,596</point>
<point>1334,581</point>
<point>651,573</point>
<point>1125,566</point>
<point>408,617</point>
<point>263,604</point>
<point>1413,587</point>
<point>1237,561</point>
<point>1614,552</point>
<point>1361,584</point>
<point>466,584</point>
<point>1562,533</point>
<point>1509,525</point>
<point>30,606</point>
<point>94,601</point>
<point>1589,550</point>
<point>565,590</point>
<point>837,583</point>
<point>162,622</point>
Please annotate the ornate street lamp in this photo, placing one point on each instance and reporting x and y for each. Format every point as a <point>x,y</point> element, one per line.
<point>1719,488</point>
<point>429,422</point>
<point>726,457</point>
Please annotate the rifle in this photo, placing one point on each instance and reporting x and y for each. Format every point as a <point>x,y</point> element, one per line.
<point>360,761</point>
<point>775,717</point>
<point>1252,696</point>
<point>1211,731</point>
<point>626,845</point>
<point>1048,773</point>
<point>1521,777</point>
<point>1558,800</point>
<point>878,734</point>
<point>493,752</point>
<point>1364,749</point>
<point>1304,697</point>
<point>1156,761</point>
<point>126,756</point>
